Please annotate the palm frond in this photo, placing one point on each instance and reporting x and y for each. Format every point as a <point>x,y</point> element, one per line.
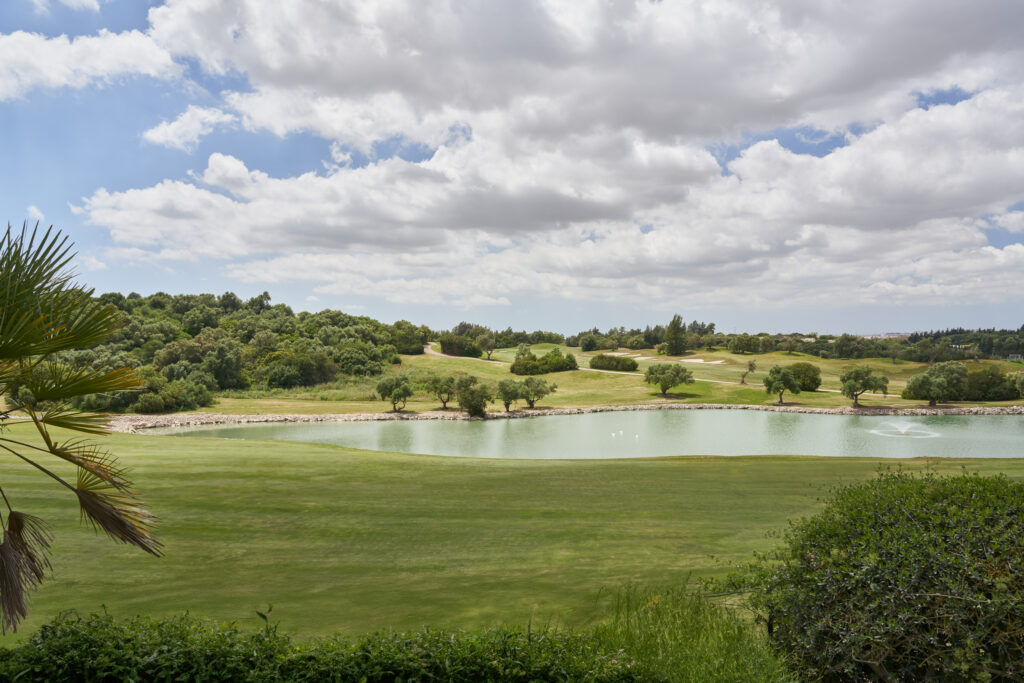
<point>23,562</point>
<point>120,514</point>
<point>58,381</point>
<point>67,418</point>
<point>97,461</point>
<point>30,536</point>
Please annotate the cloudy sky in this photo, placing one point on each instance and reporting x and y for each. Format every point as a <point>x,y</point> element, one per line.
<point>813,165</point>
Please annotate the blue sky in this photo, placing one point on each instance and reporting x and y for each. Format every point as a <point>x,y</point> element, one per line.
<point>549,164</point>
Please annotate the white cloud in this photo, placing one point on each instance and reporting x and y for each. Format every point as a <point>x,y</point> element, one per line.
<point>31,60</point>
<point>568,151</point>
<point>35,214</point>
<point>191,125</point>
<point>892,217</point>
<point>43,6</point>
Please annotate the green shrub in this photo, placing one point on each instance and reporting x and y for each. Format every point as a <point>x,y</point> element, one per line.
<point>903,578</point>
<point>553,361</point>
<point>807,375</point>
<point>619,363</point>
<point>100,648</point>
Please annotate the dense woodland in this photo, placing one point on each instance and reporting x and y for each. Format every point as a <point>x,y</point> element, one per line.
<point>188,346</point>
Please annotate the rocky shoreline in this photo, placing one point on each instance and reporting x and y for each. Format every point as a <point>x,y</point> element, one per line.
<point>134,423</point>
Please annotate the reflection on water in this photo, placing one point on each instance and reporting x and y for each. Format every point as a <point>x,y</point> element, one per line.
<point>654,433</point>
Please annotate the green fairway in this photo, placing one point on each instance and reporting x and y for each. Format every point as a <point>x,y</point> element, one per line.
<point>351,541</point>
<point>717,378</point>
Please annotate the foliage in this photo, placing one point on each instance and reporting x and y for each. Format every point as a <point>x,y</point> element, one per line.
<point>990,384</point>
<point>442,387</point>
<point>667,375</point>
<point>508,392</point>
<point>941,382</point>
<point>678,635</point>
<point>526,363</point>
<point>618,363</point>
<point>397,389</point>
<point>485,342</point>
<point>807,375</point>
<point>533,389</point>
<point>751,367</point>
<point>42,313</point>
<point>780,380</point>
<point>675,337</point>
<point>861,379</point>
<point>473,395</point>
<point>100,648</point>
<point>903,578</point>
<point>458,345</point>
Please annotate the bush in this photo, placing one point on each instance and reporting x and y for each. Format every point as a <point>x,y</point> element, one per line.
<point>149,403</point>
<point>100,648</point>
<point>472,395</point>
<point>903,578</point>
<point>553,361</point>
<point>456,345</point>
<point>807,375</point>
<point>618,363</point>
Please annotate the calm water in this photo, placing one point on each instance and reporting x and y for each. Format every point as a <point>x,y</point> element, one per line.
<point>652,433</point>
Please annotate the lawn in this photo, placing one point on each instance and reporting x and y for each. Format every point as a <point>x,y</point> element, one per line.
<point>716,383</point>
<point>352,541</point>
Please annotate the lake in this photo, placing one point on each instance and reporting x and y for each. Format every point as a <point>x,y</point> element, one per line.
<point>658,433</point>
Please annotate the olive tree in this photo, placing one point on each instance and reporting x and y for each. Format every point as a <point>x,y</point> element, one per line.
<point>508,392</point>
<point>941,382</point>
<point>780,380</point>
<point>442,387</point>
<point>397,389</point>
<point>860,380</point>
<point>751,366</point>
<point>43,312</point>
<point>667,375</point>
<point>473,395</point>
<point>534,389</point>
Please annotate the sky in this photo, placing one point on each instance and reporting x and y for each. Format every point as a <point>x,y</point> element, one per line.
<point>778,165</point>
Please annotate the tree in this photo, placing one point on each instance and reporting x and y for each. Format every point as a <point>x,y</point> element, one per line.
<point>42,312</point>
<point>485,342</point>
<point>941,382</point>
<point>441,387</point>
<point>508,392</point>
<point>807,375</point>
<point>862,379</point>
<point>780,380</point>
<point>396,388</point>
<point>990,384</point>
<point>667,375</point>
<point>534,389</point>
<point>675,337</point>
<point>751,366</point>
<point>473,395</point>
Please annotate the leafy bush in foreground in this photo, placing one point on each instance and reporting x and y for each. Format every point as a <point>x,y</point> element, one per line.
<point>100,648</point>
<point>619,363</point>
<point>905,578</point>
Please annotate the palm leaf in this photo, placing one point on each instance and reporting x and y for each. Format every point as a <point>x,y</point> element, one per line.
<point>67,418</point>
<point>120,514</point>
<point>97,461</point>
<point>57,381</point>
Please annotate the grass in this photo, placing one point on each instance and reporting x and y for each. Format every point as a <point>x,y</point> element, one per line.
<point>717,383</point>
<point>353,541</point>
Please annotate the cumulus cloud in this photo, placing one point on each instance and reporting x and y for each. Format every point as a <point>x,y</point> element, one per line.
<point>566,144</point>
<point>191,125</point>
<point>31,60</point>
<point>34,213</point>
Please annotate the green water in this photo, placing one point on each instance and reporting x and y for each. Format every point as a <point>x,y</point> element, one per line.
<point>654,433</point>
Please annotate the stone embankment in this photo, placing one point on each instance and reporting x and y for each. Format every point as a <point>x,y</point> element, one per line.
<point>133,423</point>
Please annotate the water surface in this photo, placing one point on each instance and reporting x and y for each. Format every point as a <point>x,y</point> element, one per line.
<point>656,433</point>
